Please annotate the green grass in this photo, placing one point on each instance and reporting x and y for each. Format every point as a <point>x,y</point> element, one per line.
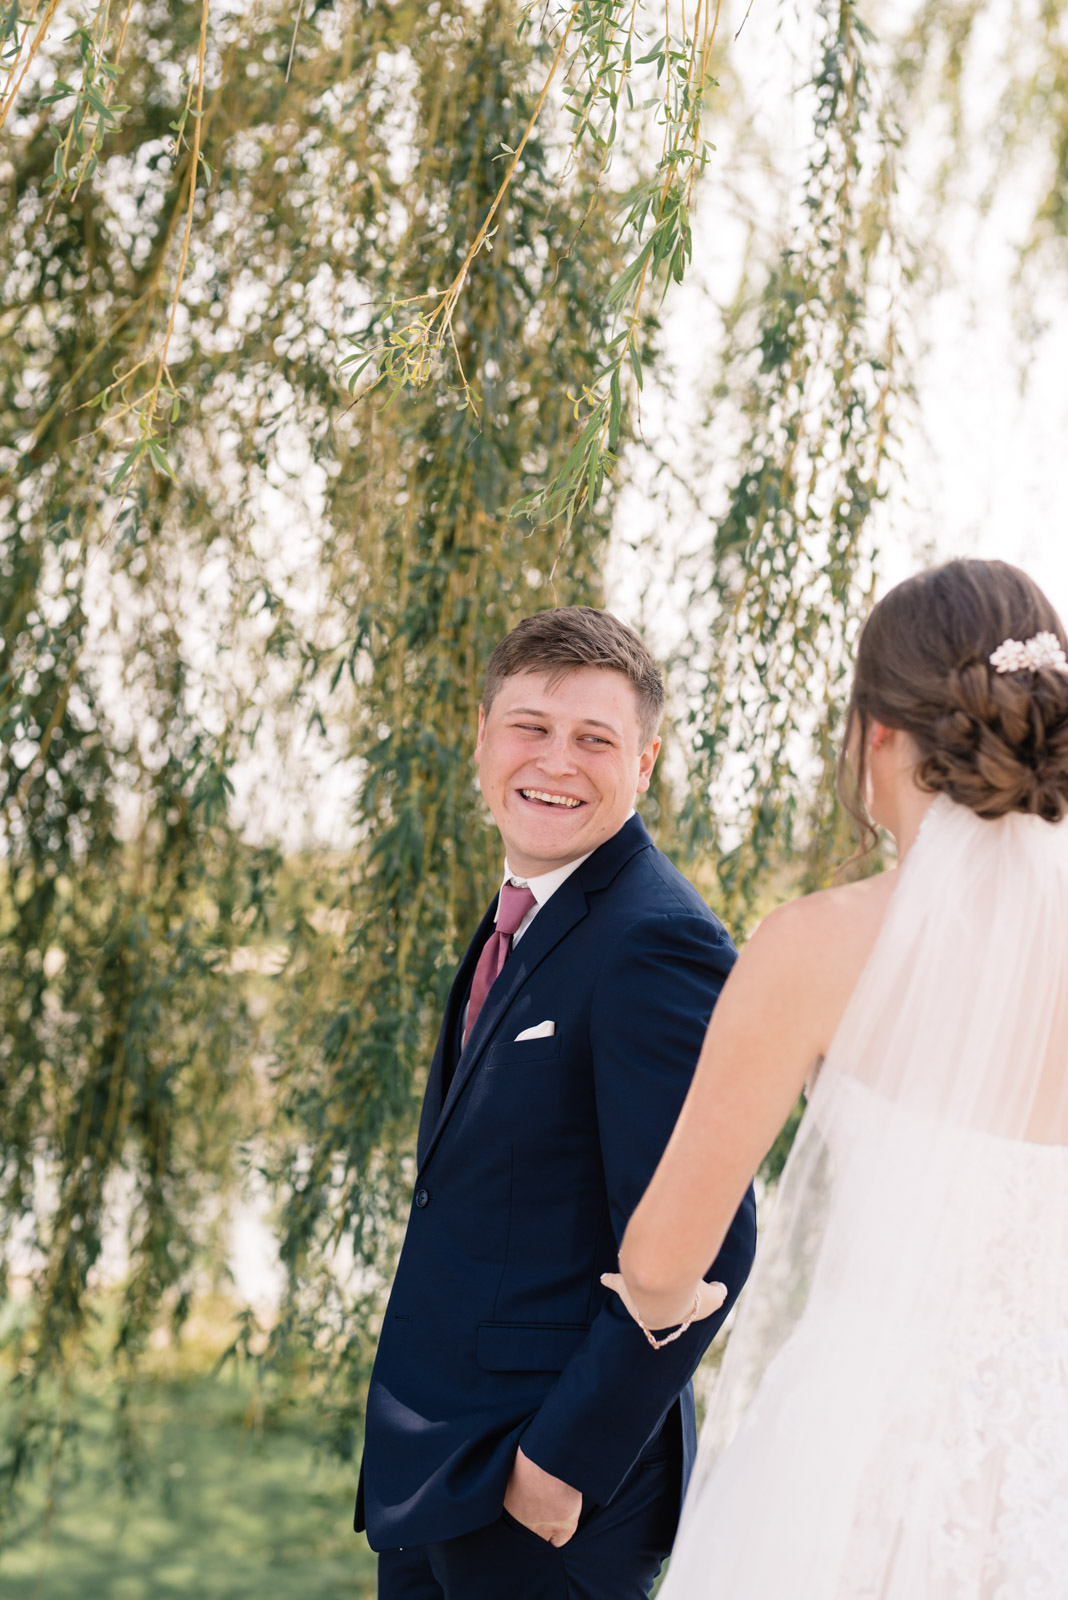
<point>222,1507</point>
<point>220,1510</point>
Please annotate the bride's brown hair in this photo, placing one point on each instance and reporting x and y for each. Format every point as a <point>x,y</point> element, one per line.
<point>996,742</point>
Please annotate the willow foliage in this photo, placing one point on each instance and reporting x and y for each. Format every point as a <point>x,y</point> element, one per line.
<point>781,589</point>
<point>183,274</point>
<point>324,334</point>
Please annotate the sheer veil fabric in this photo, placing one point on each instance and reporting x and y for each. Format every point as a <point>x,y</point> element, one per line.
<point>891,1420</point>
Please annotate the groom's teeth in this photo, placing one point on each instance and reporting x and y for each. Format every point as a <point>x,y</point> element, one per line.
<point>550,799</point>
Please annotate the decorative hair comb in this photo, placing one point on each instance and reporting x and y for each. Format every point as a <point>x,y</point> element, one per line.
<point>1044,650</point>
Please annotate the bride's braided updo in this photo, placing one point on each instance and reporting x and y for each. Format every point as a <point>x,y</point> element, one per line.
<point>996,742</point>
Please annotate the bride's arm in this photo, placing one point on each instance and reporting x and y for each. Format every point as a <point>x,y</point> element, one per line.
<point>773,1019</point>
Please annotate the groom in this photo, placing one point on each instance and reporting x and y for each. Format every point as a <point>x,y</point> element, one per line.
<point>524,1440</point>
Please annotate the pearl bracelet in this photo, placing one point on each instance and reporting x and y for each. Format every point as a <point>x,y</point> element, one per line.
<point>658,1344</point>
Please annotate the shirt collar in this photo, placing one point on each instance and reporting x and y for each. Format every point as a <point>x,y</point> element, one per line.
<point>547,883</point>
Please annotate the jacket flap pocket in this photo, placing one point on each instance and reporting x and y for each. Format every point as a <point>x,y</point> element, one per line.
<point>516,1052</point>
<point>528,1346</point>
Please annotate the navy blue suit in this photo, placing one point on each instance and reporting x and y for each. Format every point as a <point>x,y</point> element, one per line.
<point>498,1330</point>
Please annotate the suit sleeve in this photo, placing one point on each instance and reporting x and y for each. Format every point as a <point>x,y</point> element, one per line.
<point>650,1009</point>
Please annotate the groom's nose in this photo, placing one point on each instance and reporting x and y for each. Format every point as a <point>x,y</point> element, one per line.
<point>559,757</point>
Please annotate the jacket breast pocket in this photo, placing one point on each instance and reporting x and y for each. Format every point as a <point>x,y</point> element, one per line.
<point>528,1346</point>
<point>521,1052</point>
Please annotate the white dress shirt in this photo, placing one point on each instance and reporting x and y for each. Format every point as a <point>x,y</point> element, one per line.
<point>543,887</point>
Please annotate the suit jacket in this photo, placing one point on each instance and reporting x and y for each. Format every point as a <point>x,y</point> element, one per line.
<point>497,1329</point>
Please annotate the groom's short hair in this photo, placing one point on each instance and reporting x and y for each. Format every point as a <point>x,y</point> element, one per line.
<point>559,641</point>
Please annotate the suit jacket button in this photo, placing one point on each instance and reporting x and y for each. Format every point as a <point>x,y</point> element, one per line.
<point>422,1198</point>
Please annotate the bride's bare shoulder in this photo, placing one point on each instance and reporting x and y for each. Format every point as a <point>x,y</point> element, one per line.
<point>846,911</point>
<point>830,933</point>
<point>802,963</point>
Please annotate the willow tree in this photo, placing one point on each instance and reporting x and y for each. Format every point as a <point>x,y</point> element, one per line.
<point>325,330</point>
<point>204,214</point>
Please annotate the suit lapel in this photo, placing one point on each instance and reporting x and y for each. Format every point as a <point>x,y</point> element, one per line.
<point>447,1048</point>
<point>553,922</point>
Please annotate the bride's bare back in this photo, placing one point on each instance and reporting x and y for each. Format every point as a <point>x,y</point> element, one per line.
<point>818,946</point>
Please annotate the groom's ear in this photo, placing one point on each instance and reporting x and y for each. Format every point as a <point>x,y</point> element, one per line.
<point>646,763</point>
<point>481,733</point>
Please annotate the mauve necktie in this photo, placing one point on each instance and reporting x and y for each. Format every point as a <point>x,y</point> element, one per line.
<point>513,907</point>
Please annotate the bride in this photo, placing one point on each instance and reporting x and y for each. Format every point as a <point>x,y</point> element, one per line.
<point>891,1421</point>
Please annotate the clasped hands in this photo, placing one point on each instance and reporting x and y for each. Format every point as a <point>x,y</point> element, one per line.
<point>546,1505</point>
<point>709,1298</point>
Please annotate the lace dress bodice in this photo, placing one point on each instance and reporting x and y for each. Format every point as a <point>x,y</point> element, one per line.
<point>917,1458</point>
<point>965,1496</point>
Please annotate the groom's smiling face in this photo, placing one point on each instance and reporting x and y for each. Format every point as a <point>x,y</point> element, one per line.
<point>560,761</point>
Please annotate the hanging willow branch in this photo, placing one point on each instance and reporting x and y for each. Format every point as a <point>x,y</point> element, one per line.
<point>779,596</point>
<point>600,70</point>
<point>411,355</point>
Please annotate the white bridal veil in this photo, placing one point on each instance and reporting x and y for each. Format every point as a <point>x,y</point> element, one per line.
<point>905,1333</point>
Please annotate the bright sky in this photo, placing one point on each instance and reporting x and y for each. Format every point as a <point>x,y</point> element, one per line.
<point>981,455</point>
<point>984,460</point>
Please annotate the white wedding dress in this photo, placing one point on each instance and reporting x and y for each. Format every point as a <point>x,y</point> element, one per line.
<point>891,1421</point>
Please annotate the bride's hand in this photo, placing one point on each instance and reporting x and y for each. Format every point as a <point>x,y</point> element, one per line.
<point>709,1299</point>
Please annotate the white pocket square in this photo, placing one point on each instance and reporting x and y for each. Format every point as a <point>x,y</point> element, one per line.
<point>544,1030</point>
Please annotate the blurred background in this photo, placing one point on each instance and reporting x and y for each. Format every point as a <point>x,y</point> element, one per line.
<point>336,336</point>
